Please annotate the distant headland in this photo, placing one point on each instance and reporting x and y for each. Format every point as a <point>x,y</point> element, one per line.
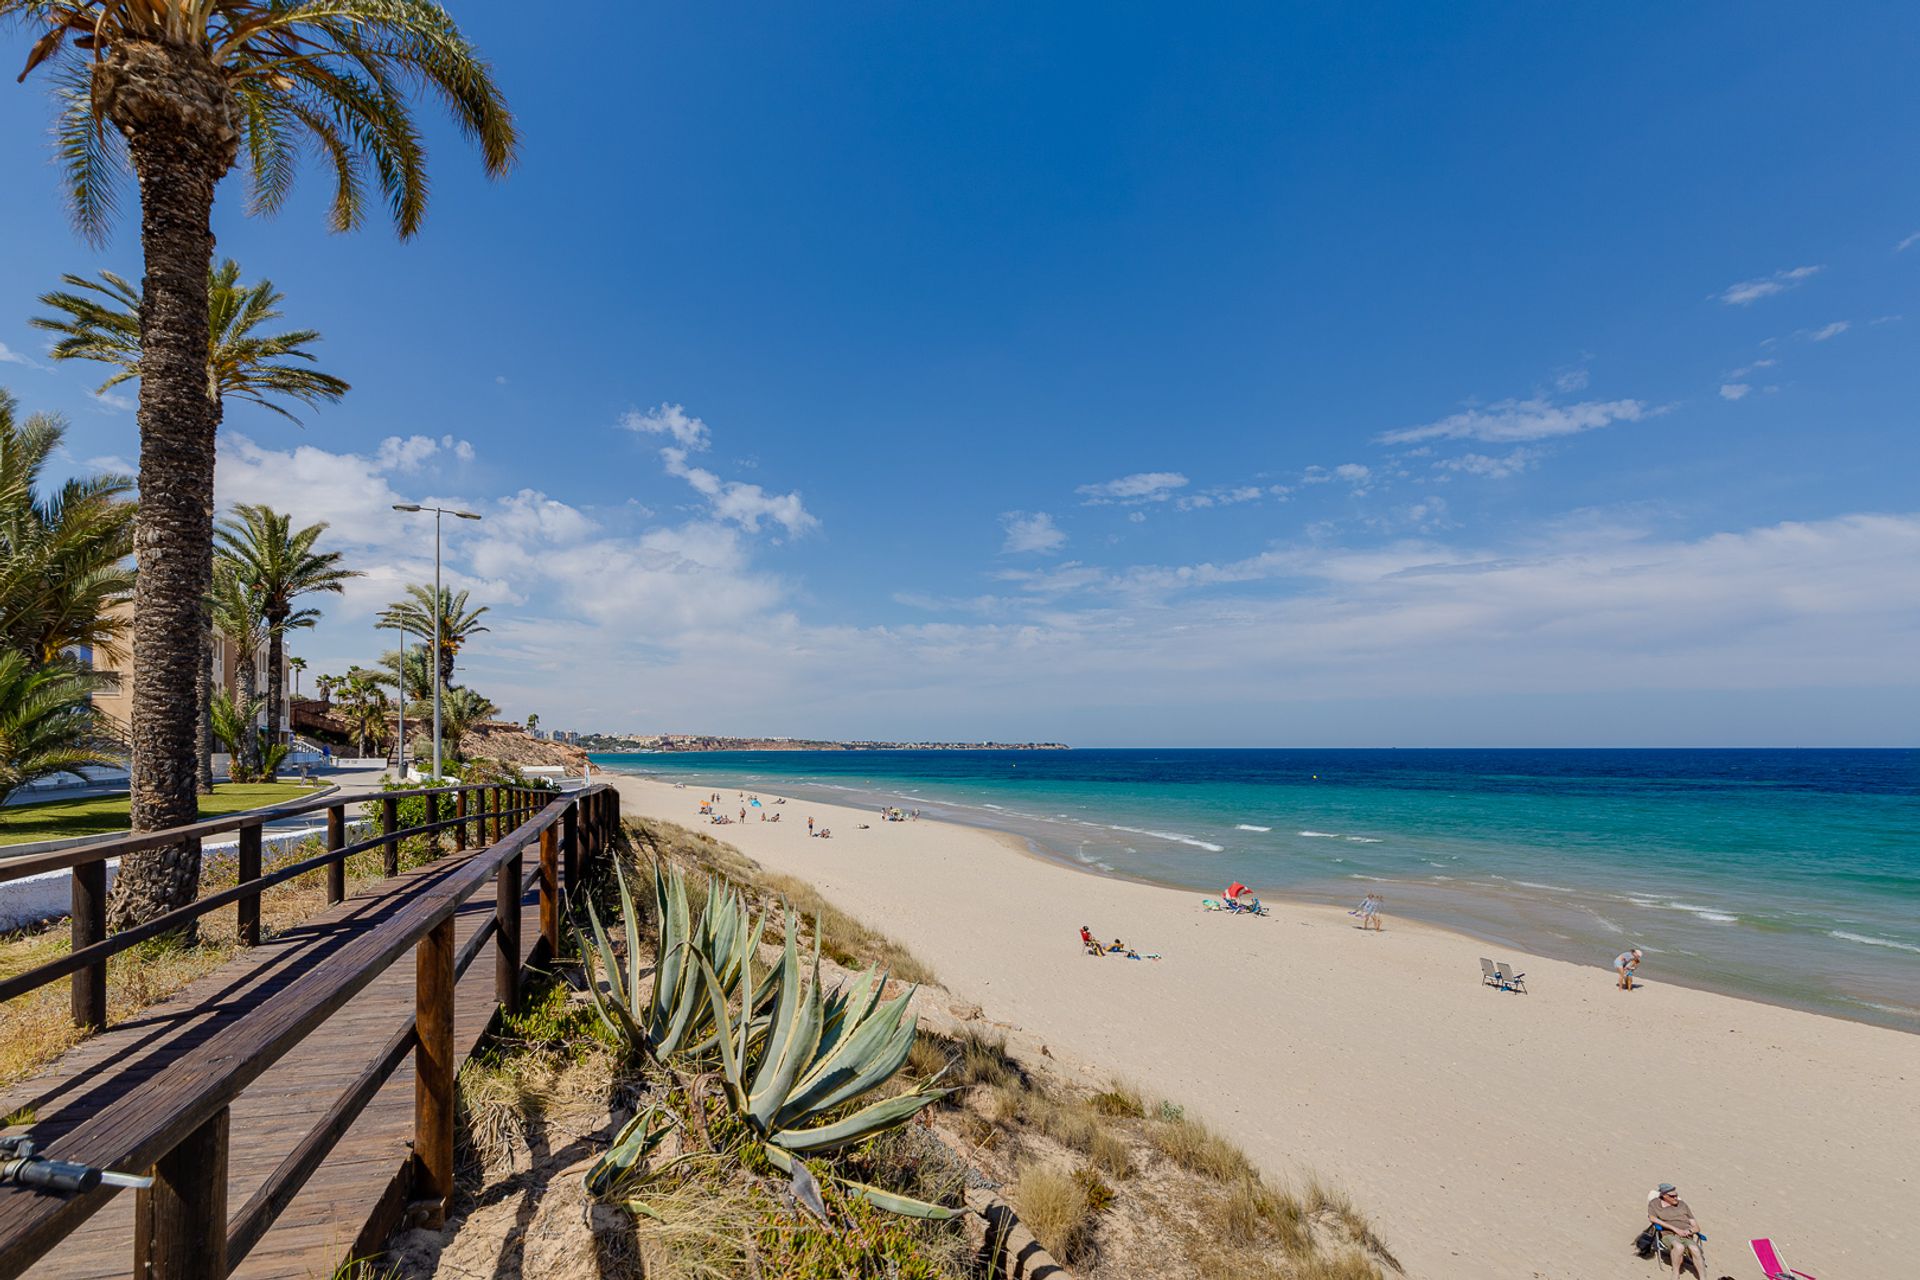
<point>616,742</point>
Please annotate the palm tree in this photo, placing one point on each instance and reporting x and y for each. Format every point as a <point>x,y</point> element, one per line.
<point>64,557</point>
<point>296,665</point>
<point>235,609</point>
<point>47,722</point>
<point>533,723</point>
<point>179,91</point>
<point>460,710</point>
<point>100,321</point>
<point>364,704</point>
<point>418,616</point>
<point>415,683</point>
<point>279,565</point>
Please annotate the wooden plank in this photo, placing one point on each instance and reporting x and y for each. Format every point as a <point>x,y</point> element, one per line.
<point>351,1200</point>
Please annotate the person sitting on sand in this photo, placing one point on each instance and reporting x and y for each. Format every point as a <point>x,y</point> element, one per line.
<point>1087,940</point>
<point>1624,964</point>
<point>1679,1231</point>
<point>1234,891</point>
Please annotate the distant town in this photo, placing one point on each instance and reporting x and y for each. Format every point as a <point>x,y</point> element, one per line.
<point>712,742</point>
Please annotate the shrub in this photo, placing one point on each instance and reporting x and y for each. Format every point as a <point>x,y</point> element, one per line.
<point>1054,1206</point>
<point>1119,1100</point>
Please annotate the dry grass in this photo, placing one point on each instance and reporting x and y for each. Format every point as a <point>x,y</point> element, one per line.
<point>1054,1206</point>
<point>1111,1154</point>
<point>843,938</point>
<point>1332,1203</point>
<point>37,1027</point>
<point>1198,1149</point>
<point>1119,1100</point>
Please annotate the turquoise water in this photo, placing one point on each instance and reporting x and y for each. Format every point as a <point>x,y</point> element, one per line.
<point>1788,876</point>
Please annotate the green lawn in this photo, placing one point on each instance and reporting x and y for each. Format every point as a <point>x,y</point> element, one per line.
<point>100,815</point>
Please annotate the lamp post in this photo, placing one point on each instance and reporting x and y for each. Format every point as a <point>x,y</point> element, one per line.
<point>400,722</point>
<point>438,617</point>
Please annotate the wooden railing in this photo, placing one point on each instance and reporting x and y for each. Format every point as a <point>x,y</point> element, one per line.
<point>176,1124</point>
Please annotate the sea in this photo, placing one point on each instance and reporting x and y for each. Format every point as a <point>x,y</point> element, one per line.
<point>1789,876</point>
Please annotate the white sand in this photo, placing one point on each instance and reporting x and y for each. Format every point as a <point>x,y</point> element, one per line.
<point>1488,1134</point>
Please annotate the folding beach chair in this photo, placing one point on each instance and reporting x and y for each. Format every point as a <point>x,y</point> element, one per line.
<point>1488,978</point>
<point>1510,980</point>
<point>1771,1262</point>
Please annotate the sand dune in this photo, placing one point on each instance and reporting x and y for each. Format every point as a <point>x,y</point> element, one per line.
<point>1490,1135</point>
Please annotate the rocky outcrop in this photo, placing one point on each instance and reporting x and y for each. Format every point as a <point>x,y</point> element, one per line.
<point>509,743</point>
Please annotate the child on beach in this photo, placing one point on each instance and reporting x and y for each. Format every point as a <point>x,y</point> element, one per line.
<point>1624,964</point>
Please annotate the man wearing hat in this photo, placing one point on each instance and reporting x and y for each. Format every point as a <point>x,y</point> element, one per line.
<point>1678,1229</point>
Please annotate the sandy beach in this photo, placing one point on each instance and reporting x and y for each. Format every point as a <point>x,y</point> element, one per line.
<point>1488,1134</point>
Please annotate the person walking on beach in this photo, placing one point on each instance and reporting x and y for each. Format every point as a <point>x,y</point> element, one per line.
<point>1369,912</point>
<point>1624,964</point>
<point>1678,1231</point>
<point>809,824</point>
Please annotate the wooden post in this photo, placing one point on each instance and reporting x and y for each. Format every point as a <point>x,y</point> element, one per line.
<point>433,1075</point>
<point>613,815</point>
<point>336,839</point>
<point>459,820</point>
<point>570,846</point>
<point>496,794</point>
<point>89,927</point>
<point>588,849</point>
<point>250,870</point>
<point>390,823</point>
<point>180,1222</point>
<point>506,914</point>
<point>550,890</point>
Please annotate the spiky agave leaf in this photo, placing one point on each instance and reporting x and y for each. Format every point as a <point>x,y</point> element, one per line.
<point>891,1201</point>
<point>626,1160</point>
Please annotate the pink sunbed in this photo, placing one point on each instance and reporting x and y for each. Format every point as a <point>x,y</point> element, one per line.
<point>1771,1263</point>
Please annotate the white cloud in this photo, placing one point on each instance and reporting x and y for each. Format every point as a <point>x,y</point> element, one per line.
<point>1489,467</point>
<point>1745,370</point>
<point>1907,243</point>
<point>1513,421</point>
<point>743,504</point>
<point>9,356</point>
<point>1143,486</point>
<point>113,402</point>
<point>1352,473</point>
<point>410,453</point>
<point>746,505</point>
<point>1031,532</point>
<point>669,420</point>
<point>1734,390</point>
<point>1137,517</point>
<point>1827,331</point>
<point>1571,380</point>
<point>1751,291</point>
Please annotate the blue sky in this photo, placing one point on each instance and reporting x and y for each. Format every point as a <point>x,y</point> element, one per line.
<point>1127,374</point>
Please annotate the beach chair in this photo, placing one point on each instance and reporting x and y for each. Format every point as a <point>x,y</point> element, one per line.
<point>1509,980</point>
<point>1488,977</point>
<point>1770,1262</point>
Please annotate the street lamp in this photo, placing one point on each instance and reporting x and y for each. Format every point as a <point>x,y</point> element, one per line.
<point>437,618</point>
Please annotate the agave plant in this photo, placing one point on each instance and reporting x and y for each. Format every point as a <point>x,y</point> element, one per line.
<point>792,1055</point>
<point>819,1052</point>
<point>676,1019</point>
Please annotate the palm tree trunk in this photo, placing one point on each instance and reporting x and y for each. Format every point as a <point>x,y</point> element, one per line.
<point>177,115</point>
<point>246,752</point>
<point>203,694</point>
<point>276,659</point>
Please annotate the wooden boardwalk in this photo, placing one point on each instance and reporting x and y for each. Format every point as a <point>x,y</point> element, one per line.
<point>362,1181</point>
